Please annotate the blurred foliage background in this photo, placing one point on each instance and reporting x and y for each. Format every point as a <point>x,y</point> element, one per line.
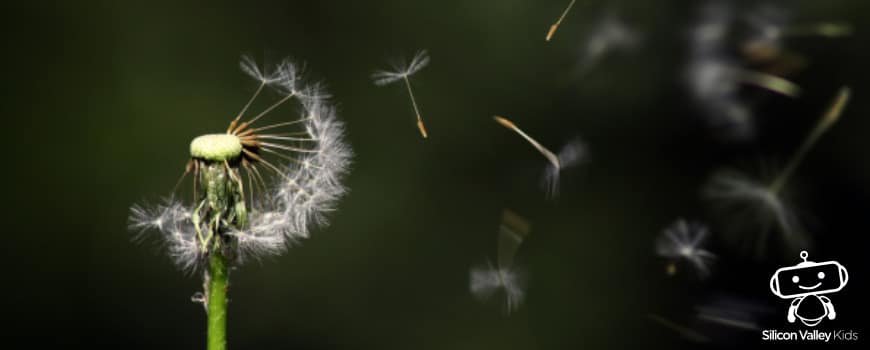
<point>101,99</point>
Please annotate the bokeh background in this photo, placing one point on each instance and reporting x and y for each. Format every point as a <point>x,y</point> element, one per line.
<point>101,99</point>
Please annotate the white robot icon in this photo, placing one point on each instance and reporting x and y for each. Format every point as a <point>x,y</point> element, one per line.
<point>805,283</point>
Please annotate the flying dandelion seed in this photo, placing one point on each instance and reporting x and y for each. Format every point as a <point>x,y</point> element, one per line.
<point>715,84</point>
<point>707,73</point>
<point>683,241</point>
<point>401,72</point>
<point>256,189</point>
<point>511,233</point>
<point>486,281</point>
<point>719,78</point>
<point>609,35</point>
<point>708,35</point>
<point>714,78</point>
<point>770,26</point>
<point>504,278</point>
<point>555,26</point>
<point>571,154</point>
<point>762,205</point>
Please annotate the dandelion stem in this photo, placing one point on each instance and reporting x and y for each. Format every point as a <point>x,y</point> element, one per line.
<point>555,26</point>
<point>416,109</point>
<point>830,117</point>
<point>217,299</point>
<point>222,210</point>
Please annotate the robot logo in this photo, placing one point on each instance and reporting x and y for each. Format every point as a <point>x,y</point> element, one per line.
<point>805,283</point>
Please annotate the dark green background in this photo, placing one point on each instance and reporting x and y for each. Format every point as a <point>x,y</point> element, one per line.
<point>100,101</point>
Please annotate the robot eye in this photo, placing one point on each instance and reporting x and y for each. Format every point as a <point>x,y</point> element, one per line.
<point>821,275</point>
<point>795,279</point>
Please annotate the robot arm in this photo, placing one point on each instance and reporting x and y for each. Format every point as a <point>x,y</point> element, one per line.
<point>792,309</point>
<point>829,307</point>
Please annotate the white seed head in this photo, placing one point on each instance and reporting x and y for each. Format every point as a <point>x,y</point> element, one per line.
<point>305,182</point>
<point>304,193</point>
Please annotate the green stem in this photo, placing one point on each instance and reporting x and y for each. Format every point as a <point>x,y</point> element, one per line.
<point>217,301</point>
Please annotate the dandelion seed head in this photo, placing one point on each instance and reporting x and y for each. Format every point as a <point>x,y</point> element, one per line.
<point>402,69</point>
<point>684,240</point>
<point>307,190</point>
<point>294,171</point>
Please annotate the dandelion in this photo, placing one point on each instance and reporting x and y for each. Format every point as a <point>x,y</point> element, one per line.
<point>256,188</point>
<point>571,154</point>
<point>555,26</point>
<point>401,71</point>
<point>763,205</point>
<point>684,241</point>
<point>504,278</point>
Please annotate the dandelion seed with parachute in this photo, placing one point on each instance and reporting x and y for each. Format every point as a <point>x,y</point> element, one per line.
<point>683,241</point>
<point>714,77</point>
<point>610,35</point>
<point>401,72</point>
<point>504,278</point>
<point>762,205</point>
<point>571,154</point>
<point>555,26</point>
<point>256,187</point>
